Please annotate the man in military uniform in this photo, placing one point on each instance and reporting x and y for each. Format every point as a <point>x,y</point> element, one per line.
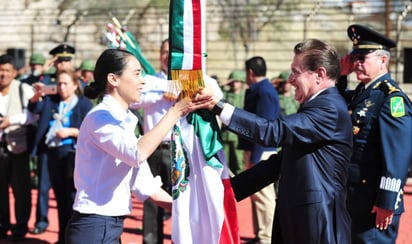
<point>37,61</point>
<point>287,102</point>
<point>62,60</point>
<point>234,92</point>
<point>382,119</point>
<point>86,72</point>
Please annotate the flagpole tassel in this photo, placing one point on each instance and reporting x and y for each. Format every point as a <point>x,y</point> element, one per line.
<point>187,82</point>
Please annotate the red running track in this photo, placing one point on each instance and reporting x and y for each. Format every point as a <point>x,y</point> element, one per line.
<point>133,224</point>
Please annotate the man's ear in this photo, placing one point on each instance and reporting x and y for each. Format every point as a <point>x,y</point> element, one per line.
<point>321,72</point>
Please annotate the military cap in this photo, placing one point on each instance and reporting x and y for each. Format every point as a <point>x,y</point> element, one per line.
<point>366,40</point>
<point>37,58</point>
<point>63,52</point>
<point>87,65</point>
<point>284,76</point>
<point>237,75</point>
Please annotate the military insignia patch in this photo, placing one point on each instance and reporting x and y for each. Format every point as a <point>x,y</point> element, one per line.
<point>397,107</point>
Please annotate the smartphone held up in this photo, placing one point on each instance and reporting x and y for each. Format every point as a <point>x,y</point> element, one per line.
<point>49,89</point>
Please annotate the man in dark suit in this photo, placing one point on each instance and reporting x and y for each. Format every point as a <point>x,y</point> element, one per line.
<point>382,127</point>
<point>316,148</point>
<point>259,97</point>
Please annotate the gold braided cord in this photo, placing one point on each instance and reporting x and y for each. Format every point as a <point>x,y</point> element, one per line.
<point>187,82</point>
<point>371,46</point>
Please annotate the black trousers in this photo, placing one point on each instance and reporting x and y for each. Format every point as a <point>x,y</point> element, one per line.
<point>61,166</point>
<point>15,172</point>
<point>42,208</point>
<point>160,164</point>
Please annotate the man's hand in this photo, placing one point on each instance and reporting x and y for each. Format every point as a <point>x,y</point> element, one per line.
<point>383,217</point>
<point>4,122</point>
<point>346,65</point>
<point>49,63</point>
<point>205,99</point>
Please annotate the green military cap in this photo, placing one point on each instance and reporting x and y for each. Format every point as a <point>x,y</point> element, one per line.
<point>237,75</point>
<point>37,58</point>
<point>87,65</point>
<point>284,76</point>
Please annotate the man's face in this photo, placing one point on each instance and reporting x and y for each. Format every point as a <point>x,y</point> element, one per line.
<point>304,81</point>
<point>164,57</point>
<point>65,65</point>
<point>7,74</point>
<point>36,69</point>
<point>368,66</point>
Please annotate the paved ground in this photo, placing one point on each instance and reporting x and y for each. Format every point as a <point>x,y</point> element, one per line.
<point>133,234</point>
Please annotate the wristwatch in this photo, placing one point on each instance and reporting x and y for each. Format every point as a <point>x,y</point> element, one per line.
<point>217,109</point>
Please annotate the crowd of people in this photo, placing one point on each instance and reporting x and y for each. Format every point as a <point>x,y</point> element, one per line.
<point>320,162</point>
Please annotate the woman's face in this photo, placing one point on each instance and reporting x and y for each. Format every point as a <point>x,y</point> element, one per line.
<point>131,81</point>
<point>66,87</point>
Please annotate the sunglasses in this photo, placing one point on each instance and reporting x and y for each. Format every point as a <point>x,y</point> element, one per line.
<point>360,58</point>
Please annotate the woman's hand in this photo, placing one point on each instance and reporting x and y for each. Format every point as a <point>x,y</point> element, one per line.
<point>67,132</point>
<point>183,105</point>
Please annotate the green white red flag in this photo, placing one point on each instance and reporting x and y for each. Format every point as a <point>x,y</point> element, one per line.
<point>204,207</point>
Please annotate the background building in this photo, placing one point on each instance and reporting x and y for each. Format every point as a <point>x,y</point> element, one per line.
<point>235,29</point>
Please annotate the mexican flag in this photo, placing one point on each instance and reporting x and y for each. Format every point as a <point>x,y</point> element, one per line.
<point>204,206</point>
<point>119,37</point>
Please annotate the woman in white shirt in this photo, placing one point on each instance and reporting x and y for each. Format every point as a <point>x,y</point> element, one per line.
<point>110,159</point>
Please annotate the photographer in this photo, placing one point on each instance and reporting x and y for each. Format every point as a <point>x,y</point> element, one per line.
<point>15,151</point>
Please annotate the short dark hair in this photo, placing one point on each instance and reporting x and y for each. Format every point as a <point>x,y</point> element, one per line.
<point>257,65</point>
<point>110,61</point>
<point>163,43</point>
<point>7,59</point>
<point>318,54</point>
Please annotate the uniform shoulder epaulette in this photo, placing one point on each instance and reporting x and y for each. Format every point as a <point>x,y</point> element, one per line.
<point>386,87</point>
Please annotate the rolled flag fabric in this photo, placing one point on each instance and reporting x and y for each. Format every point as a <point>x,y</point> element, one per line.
<point>185,44</point>
<point>204,206</point>
<point>120,37</point>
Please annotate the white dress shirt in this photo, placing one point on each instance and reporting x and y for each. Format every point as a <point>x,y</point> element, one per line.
<point>153,102</point>
<point>155,106</point>
<point>107,169</point>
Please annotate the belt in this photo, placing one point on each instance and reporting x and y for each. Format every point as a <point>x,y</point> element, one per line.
<point>164,145</point>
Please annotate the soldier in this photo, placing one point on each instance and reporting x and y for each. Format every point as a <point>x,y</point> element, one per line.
<point>62,60</point>
<point>37,61</point>
<point>382,119</point>
<point>234,92</point>
<point>86,72</point>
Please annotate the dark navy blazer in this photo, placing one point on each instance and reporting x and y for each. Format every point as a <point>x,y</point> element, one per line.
<point>316,149</point>
<point>261,99</point>
<point>50,105</point>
